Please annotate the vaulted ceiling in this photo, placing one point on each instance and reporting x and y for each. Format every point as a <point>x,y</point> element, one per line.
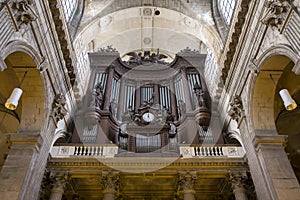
<point>170,25</point>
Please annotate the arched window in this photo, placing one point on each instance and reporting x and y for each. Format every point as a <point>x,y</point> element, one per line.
<point>69,8</point>
<point>226,8</point>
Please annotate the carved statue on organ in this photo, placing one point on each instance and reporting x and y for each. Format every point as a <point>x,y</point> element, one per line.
<point>203,113</point>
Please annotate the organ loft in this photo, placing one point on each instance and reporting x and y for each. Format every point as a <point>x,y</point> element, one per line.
<point>149,100</point>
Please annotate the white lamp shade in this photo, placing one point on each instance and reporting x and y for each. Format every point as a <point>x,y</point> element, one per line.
<point>289,103</point>
<point>12,101</point>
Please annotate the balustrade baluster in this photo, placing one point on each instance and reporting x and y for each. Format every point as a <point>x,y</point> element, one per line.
<point>86,151</point>
<point>101,151</point>
<point>76,151</point>
<point>93,151</point>
<point>221,151</point>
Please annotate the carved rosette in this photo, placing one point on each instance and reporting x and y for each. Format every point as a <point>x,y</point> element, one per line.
<point>25,11</point>
<point>273,14</point>
<point>58,107</point>
<point>236,111</point>
<point>110,182</point>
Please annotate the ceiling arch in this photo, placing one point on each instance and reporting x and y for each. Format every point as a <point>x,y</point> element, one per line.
<point>143,28</point>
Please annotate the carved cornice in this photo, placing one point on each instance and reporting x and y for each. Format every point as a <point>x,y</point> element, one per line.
<point>136,163</point>
<point>234,36</point>
<point>62,31</point>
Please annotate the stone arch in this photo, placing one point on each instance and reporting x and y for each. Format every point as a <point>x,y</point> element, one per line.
<point>280,49</point>
<point>24,47</point>
<point>22,61</point>
<point>270,66</point>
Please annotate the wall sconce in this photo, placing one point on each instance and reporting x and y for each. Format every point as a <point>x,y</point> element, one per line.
<point>288,101</point>
<point>12,101</point>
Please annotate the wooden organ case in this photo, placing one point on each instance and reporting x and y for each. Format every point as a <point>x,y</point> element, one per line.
<point>144,104</point>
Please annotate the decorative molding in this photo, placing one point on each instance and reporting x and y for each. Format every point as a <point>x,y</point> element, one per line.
<point>107,49</point>
<point>236,111</point>
<point>269,141</point>
<point>64,39</point>
<point>25,12</point>
<point>58,107</point>
<point>135,164</point>
<point>145,57</point>
<point>189,51</point>
<point>233,37</point>
<point>273,14</point>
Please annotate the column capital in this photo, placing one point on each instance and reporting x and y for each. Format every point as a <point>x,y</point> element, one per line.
<point>269,141</point>
<point>60,179</point>
<point>237,180</point>
<point>110,181</point>
<point>24,141</point>
<point>187,181</point>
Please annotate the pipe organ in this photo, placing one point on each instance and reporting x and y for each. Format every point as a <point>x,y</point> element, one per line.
<point>145,111</point>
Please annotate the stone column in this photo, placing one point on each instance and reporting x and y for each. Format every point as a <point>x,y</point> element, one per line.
<point>237,183</point>
<point>60,181</point>
<point>108,87</point>
<point>16,174</point>
<point>187,182</point>
<point>110,185</point>
<point>186,89</point>
<point>270,168</point>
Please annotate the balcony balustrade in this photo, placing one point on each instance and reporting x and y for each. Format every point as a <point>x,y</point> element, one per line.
<point>110,151</point>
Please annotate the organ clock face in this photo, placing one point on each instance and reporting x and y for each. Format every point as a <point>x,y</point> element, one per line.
<point>148,117</point>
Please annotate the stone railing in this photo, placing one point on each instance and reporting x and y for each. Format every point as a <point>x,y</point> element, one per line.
<point>211,151</point>
<point>109,151</point>
<point>105,151</point>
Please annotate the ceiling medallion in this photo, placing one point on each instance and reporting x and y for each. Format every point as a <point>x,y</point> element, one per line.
<point>147,40</point>
<point>147,11</point>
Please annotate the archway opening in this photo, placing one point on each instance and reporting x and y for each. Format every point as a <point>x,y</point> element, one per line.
<point>269,113</point>
<point>21,73</point>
